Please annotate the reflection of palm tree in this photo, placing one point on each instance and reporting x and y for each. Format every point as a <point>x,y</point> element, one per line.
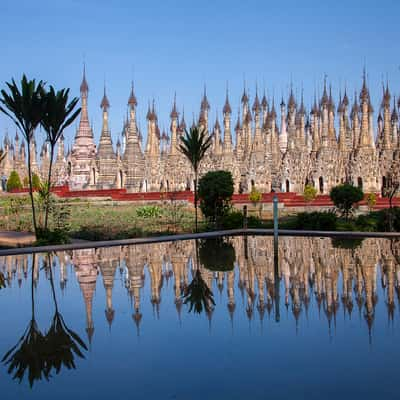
<point>28,354</point>
<point>2,281</point>
<point>38,353</point>
<point>198,295</point>
<point>62,343</point>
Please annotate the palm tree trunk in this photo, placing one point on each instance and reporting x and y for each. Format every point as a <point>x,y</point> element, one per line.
<point>195,200</point>
<point>46,217</point>
<point>32,288</point>
<point>30,187</point>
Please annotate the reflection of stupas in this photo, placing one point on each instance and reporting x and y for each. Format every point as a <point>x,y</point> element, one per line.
<point>309,268</point>
<point>86,273</point>
<point>108,260</point>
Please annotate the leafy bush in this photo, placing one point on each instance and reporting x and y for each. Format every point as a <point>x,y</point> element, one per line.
<point>35,182</point>
<point>234,220</point>
<point>388,220</point>
<point>215,193</point>
<point>14,182</point>
<point>217,254</point>
<point>345,196</point>
<point>255,195</point>
<point>322,221</point>
<point>148,212</point>
<point>51,236</point>
<point>371,200</point>
<point>367,223</point>
<point>309,194</point>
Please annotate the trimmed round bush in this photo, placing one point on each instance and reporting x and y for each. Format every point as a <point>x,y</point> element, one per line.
<point>215,193</point>
<point>14,182</point>
<point>345,196</point>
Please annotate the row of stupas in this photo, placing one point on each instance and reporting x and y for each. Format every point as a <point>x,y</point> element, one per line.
<point>324,147</point>
<point>309,270</point>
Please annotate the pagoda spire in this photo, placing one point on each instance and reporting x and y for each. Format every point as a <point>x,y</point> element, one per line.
<point>227,111</point>
<point>387,125</point>
<point>105,149</point>
<point>174,127</point>
<point>84,129</point>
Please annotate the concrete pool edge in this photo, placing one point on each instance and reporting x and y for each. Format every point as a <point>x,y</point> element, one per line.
<point>191,236</point>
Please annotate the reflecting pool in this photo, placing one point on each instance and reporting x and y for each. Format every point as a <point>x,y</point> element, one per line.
<point>207,319</point>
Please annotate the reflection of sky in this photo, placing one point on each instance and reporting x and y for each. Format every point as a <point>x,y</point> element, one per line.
<point>177,45</point>
<point>193,360</point>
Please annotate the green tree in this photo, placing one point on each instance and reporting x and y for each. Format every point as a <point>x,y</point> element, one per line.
<point>14,181</point>
<point>194,145</point>
<point>59,115</point>
<point>35,181</point>
<point>345,196</point>
<point>309,194</point>
<point>26,107</point>
<point>215,192</point>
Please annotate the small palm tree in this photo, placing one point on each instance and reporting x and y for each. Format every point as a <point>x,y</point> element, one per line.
<point>2,155</point>
<point>26,106</point>
<point>194,145</point>
<point>58,116</point>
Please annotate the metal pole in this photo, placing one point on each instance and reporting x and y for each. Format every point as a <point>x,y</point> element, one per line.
<point>244,217</point>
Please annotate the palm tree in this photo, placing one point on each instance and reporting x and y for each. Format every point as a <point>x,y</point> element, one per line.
<point>2,155</point>
<point>194,145</point>
<point>58,116</point>
<point>26,107</point>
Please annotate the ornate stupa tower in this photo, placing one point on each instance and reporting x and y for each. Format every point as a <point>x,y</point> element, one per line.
<point>83,154</point>
<point>106,157</point>
<point>133,159</point>
<point>364,165</point>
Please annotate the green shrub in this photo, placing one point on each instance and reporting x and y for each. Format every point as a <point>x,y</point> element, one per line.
<point>148,212</point>
<point>215,193</point>
<point>344,197</point>
<point>367,223</point>
<point>35,181</point>
<point>254,222</point>
<point>234,220</point>
<point>371,200</point>
<point>14,182</point>
<point>309,194</point>
<point>322,221</point>
<point>388,220</point>
<point>217,254</point>
<point>47,237</point>
<point>255,196</point>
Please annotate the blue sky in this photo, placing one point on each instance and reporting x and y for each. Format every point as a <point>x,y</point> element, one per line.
<point>168,46</point>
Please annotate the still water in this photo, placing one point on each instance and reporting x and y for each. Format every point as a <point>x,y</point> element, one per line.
<point>203,320</point>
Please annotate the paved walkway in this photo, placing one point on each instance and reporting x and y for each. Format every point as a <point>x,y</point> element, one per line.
<point>16,239</point>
